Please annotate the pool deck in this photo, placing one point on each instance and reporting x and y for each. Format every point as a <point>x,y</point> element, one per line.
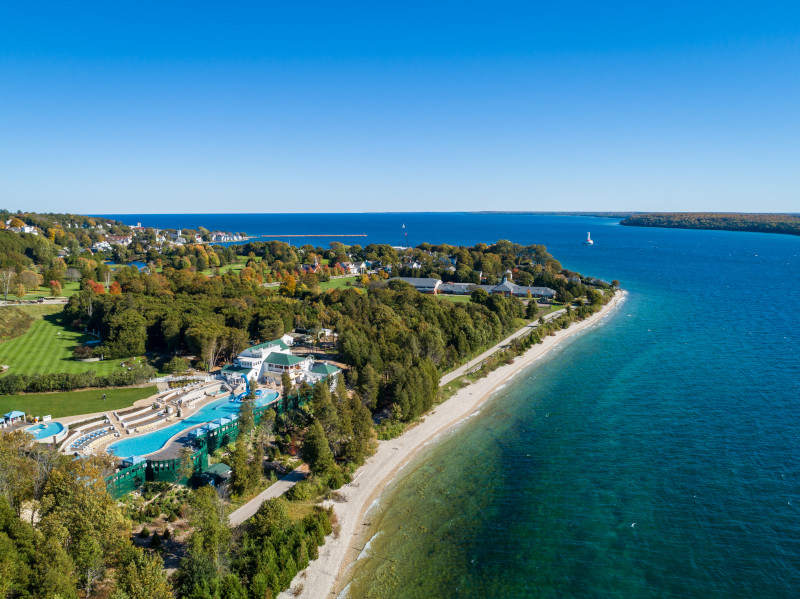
<point>101,447</point>
<point>177,442</point>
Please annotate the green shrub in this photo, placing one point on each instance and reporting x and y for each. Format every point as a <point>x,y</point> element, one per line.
<point>306,489</point>
<point>155,542</point>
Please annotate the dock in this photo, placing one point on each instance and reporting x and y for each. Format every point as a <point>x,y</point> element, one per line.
<point>318,235</point>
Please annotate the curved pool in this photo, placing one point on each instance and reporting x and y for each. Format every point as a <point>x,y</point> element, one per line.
<point>45,430</point>
<point>152,442</point>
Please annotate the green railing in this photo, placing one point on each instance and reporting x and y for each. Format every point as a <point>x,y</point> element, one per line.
<point>134,477</point>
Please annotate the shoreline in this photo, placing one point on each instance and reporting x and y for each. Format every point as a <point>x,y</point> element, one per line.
<point>325,576</point>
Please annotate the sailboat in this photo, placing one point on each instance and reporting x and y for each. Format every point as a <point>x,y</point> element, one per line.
<point>588,240</point>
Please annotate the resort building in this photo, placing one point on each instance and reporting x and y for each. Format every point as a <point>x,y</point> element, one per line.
<point>421,284</point>
<point>507,288</point>
<point>267,362</point>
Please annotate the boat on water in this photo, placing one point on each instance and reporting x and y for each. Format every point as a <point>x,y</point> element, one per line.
<point>588,240</point>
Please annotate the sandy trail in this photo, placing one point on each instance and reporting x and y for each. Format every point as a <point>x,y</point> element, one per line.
<point>326,576</point>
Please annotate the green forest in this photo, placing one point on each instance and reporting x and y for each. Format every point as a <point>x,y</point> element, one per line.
<point>62,535</point>
<point>787,224</point>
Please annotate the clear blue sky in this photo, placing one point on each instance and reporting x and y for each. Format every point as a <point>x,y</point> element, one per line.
<point>135,107</point>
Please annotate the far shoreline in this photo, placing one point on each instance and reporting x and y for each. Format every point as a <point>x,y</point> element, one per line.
<point>326,576</point>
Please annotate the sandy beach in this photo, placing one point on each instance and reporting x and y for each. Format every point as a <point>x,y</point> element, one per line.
<point>326,576</point>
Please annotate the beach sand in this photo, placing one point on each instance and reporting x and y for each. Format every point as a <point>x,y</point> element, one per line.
<point>326,576</point>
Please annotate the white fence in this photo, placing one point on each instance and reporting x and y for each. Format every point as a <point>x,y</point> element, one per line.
<point>189,377</point>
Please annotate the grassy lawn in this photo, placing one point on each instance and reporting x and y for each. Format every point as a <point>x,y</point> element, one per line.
<point>233,267</point>
<point>47,346</point>
<point>338,283</point>
<point>67,290</point>
<point>72,403</point>
<point>13,322</point>
<point>554,307</point>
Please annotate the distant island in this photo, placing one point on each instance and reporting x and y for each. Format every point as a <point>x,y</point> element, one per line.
<point>788,224</point>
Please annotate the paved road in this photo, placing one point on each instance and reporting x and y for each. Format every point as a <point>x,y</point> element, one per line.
<point>473,363</point>
<point>287,482</point>
<point>46,302</point>
<point>277,489</point>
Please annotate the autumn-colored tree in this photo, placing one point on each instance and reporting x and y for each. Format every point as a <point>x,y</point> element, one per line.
<point>115,288</point>
<point>96,287</point>
<point>288,286</point>
<point>30,279</point>
<point>55,288</point>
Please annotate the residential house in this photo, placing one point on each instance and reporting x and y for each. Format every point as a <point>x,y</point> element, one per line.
<point>349,268</point>
<point>125,240</point>
<point>101,246</point>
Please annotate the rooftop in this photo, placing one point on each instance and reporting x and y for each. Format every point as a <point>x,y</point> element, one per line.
<point>418,281</point>
<point>266,344</point>
<point>237,369</point>
<point>284,359</point>
<point>324,368</point>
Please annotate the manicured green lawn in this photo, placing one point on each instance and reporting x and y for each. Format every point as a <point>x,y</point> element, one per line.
<point>67,290</point>
<point>338,283</point>
<point>233,267</point>
<point>72,403</point>
<point>46,346</point>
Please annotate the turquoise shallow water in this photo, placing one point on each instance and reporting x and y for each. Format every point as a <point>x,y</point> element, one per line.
<point>655,456</point>
<point>680,414</point>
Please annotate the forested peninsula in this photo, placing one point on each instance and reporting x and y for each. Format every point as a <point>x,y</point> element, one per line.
<point>91,305</point>
<point>788,224</point>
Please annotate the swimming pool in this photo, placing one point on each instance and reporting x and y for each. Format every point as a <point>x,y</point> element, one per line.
<point>42,432</point>
<point>152,442</point>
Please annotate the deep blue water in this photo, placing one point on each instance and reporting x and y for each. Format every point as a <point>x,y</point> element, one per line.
<point>680,414</point>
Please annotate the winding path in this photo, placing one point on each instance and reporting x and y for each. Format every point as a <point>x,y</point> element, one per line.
<point>275,490</point>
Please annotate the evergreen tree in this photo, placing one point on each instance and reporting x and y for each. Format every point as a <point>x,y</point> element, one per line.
<point>362,439</point>
<point>368,386</point>
<point>143,577</point>
<point>240,475</point>
<point>324,411</point>
<point>212,533</point>
<point>316,451</point>
<point>532,310</point>
<point>286,391</point>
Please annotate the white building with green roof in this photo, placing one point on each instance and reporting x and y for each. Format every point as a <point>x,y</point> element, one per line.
<point>267,362</point>
<point>251,363</point>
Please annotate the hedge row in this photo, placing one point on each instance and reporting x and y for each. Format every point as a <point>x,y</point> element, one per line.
<point>38,383</point>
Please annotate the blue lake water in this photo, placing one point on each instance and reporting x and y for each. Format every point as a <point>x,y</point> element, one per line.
<point>655,456</point>
<point>152,442</point>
